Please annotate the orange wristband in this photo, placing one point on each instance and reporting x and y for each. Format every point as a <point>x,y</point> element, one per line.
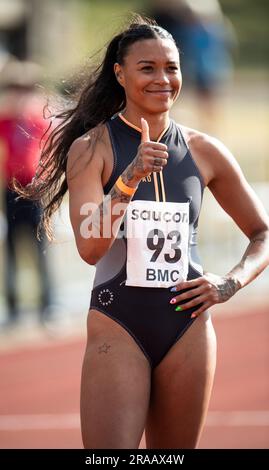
<point>123,188</point>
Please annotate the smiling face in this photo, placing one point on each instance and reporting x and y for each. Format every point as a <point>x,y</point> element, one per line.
<point>150,75</point>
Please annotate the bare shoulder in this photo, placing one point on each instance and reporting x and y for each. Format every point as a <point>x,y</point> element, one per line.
<point>88,149</point>
<point>204,143</point>
<point>211,154</point>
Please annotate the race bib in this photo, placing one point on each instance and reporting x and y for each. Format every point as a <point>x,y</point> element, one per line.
<point>157,243</point>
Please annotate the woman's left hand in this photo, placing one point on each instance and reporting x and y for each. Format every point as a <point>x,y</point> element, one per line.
<point>208,290</point>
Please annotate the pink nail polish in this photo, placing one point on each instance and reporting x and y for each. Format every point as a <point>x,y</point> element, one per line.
<point>172,301</point>
<point>193,315</point>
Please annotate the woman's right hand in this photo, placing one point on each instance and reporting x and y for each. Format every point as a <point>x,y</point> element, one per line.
<point>151,156</point>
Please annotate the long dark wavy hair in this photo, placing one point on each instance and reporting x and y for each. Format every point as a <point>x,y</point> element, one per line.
<point>98,100</point>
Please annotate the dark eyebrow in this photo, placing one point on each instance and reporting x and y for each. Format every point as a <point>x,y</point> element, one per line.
<point>146,62</point>
<point>152,62</point>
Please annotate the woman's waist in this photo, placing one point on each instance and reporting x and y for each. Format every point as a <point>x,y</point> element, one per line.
<point>105,275</point>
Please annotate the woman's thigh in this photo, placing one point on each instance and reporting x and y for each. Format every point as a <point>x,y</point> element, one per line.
<point>181,388</point>
<point>115,386</point>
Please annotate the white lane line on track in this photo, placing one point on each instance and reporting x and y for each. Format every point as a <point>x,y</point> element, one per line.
<point>238,418</point>
<point>72,420</point>
<point>42,422</point>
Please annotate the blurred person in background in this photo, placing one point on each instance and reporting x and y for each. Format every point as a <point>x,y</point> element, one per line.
<point>206,40</point>
<point>21,128</point>
<point>151,350</point>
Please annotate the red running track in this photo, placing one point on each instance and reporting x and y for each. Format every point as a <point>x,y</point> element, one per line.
<point>39,402</point>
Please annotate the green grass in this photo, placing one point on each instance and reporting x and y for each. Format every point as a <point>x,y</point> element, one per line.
<point>100,20</point>
<point>95,22</point>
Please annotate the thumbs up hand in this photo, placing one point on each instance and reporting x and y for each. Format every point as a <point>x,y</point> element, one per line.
<point>151,156</point>
<point>145,131</point>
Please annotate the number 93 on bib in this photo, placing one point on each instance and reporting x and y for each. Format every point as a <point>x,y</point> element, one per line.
<point>157,243</point>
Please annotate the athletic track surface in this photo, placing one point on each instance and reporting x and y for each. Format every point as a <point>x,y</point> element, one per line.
<point>40,380</point>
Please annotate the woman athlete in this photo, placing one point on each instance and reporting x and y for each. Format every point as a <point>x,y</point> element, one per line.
<point>136,179</point>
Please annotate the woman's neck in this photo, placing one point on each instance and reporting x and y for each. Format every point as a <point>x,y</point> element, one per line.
<point>157,122</point>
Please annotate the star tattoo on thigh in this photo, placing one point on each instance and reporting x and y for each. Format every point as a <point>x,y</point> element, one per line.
<point>104,348</point>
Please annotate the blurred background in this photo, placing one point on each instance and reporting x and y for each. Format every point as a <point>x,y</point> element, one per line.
<point>45,288</point>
